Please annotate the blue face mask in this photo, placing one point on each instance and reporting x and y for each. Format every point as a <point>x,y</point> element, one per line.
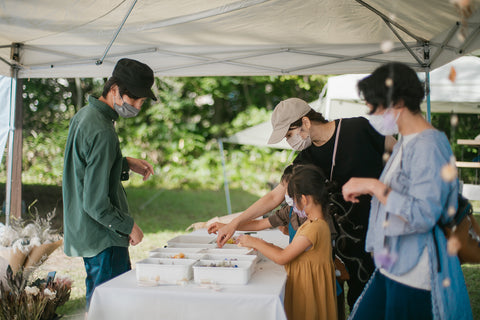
<point>125,110</point>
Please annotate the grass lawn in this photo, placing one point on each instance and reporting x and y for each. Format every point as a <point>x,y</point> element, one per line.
<point>163,214</point>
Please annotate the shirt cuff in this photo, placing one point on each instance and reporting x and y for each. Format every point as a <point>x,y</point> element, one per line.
<point>124,228</point>
<point>125,175</point>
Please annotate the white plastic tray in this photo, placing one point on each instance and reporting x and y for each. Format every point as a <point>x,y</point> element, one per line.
<point>155,270</point>
<point>192,239</point>
<point>204,273</point>
<point>174,251</point>
<point>230,257</point>
<point>175,255</point>
<point>238,250</point>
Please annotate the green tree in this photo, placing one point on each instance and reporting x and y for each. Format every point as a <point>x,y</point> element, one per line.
<point>178,133</point>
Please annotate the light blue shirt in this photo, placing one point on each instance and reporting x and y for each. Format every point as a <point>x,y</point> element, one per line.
<point>408,221</point>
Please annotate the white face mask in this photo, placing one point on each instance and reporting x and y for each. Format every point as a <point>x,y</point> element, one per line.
<point>385,123</point>
<point>288,200</point>
<point>291,203</point>
<point>298,143</point>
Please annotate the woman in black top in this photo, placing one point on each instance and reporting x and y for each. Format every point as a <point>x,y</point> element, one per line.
<point>358,153</point>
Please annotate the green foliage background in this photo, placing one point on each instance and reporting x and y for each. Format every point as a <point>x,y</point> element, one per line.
<point>179,133</point>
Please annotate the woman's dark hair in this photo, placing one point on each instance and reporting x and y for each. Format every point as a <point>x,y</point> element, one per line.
<point>309,180</point>
<point>312,115</point>
<point>391,83</point>
<point>121,87</point>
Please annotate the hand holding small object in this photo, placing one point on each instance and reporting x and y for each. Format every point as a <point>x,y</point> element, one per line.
<point>214,227</point>
<point>246,241</point>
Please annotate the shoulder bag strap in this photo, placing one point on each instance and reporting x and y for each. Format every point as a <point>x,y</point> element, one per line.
<point>335,148</point>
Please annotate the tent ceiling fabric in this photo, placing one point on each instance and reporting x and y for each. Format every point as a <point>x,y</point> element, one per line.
<point>64,38</point>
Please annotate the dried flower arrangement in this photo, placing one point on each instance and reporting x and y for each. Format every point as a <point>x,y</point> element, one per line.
<point>25,246</point>
<point>38,300</point>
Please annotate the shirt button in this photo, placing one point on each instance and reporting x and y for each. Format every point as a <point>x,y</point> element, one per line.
<point>109,225</point>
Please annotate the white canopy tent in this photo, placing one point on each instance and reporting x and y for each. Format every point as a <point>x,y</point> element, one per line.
<point>67,38</point>
<point>459,96</point>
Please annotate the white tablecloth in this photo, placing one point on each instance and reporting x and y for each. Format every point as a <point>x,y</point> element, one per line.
<point>261,298</point>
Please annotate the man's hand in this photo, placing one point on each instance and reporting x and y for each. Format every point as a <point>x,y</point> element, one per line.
<point>136,235</point>
<point>141,167</point>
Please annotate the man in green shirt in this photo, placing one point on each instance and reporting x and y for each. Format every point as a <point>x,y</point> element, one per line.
<point>97,223</point>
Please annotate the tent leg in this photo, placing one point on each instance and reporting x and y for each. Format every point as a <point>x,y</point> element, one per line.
<point>13,195</point>
<point>427,91</point>
<point>225,179</point>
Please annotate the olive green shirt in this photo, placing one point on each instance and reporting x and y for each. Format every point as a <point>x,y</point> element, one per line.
<point>95,208</point>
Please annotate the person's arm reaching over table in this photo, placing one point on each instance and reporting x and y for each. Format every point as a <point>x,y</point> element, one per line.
<point>263,205</point>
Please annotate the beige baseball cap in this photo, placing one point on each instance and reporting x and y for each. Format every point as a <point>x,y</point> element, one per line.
<point>285,113</point>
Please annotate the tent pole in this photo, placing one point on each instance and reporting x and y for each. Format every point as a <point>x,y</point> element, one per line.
<point>426,58</point>
<point>100,61</point>
<point>225,179</point>
<point>427,91</point>
<point>13,192</point>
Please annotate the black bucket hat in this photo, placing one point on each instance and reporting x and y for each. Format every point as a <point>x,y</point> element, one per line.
<point>137,77</point>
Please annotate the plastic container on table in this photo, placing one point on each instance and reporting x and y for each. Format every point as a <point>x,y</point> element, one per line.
<point>174,251</point>
<point>225,251</point>
<point>192,241</point>
<point>222,272</point>
<point>230,257</point>
<point>164,271</point>
<point>178,254</point>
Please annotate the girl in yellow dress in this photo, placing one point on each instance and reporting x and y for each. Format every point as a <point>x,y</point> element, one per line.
<point>310,289</point>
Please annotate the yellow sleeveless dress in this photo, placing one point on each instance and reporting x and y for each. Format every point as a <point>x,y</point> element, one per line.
<point>310,292</point>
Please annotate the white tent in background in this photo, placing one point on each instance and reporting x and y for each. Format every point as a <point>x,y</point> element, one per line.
<point>459,96</point>
<point>255,136</point>
<point>258,136</point>
<point>5,94</point>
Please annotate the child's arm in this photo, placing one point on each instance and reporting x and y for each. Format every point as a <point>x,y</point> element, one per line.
<point>250,225</point>
<point>274,253</point>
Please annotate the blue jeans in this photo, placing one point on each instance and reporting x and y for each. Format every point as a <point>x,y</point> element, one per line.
<point>106,265</point>
<point>387,299</point>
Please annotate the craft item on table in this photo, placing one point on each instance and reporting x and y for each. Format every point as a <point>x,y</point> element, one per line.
<point>227,263</point>
<point>232,240</point>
